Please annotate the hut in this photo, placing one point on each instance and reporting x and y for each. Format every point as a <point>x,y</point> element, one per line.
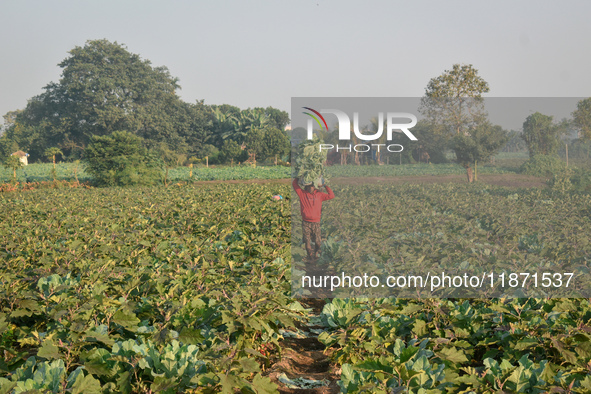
<point>22,156</point>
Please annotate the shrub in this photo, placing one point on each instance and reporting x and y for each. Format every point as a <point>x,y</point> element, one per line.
<point>231,150</point>
<point>121,159</point>
<point>581,180</point>
<point>543,165</point>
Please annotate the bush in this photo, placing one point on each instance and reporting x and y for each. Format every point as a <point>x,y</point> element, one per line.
<point>543,165</point>
<point>121,159</point>
<point>581,180</point>
<point>209,151</point>
<point>231,150</point>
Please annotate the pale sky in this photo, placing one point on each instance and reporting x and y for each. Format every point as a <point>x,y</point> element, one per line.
<point>259,53</point>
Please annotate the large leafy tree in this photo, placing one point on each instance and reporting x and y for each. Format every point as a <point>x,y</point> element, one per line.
<point>542,135</point>
<point>453,101</point>
<point>478,144</point>
<point>582,118</point>
<point>455,113</point>
<point>277,118</point>
<point>103,88</point>
<point>275,143</point>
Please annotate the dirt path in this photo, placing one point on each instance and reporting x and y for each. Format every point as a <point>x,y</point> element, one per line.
<point>508,180</point>
<point>305,358</point>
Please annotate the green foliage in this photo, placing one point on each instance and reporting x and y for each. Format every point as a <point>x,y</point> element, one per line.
<point>231,151</point>
<point>581,180</point>
<point>7,146</point>
<point>103,88</point>
<point>13,163</point>
<point>275,142</point>
<point>569,179</point>
<point>211,152</point>
<point>478,144</point>
<point>65,172</point>
<point>543,165</point>
<point>51,153</point>
<point>143,289</point>
<point>541,135</point>
<point>454,99</point>
<point>582,118</point>
<point>480,346</point>
<point>120,160</point>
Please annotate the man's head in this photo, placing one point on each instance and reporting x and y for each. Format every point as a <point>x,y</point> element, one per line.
<point>310,188</point>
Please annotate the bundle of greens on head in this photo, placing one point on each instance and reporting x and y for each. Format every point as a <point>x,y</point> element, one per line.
<point>308,165</point>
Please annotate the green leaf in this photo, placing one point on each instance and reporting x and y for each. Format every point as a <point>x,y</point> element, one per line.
<point>453,355</point>
<point>420,328</point>
<point>162,383</point>
<point>49,350</point>
<point>126,319</point>
<point>190,336</point>
<point>264,385</point>
<point>86,385</point>
<point>250,365</point>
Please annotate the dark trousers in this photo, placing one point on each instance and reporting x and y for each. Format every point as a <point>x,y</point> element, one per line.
<point>311,232</point>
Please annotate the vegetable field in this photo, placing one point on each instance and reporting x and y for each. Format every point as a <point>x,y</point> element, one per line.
<point>188,289</point>
<point>67,171</point>
<point>143,290</point>
<point>474,229</point>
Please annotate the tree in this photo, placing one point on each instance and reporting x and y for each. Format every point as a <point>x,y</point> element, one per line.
<point>454,99</point>
<point>7,146</point>
<point>541,135</point>
<point>275,143</point>
<point>229,124</point>
<point>13,163</point>
<point>478,144</point>
<point>254,143</point>
<point>231,151</point>
<point>167,158</point>
<point>50,154</point>
<point>277,118</point>
<point>103,88</point>
<point>121,159</point>
<point>582,118</point>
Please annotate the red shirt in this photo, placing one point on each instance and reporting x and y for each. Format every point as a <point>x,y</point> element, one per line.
<point>311,203</point>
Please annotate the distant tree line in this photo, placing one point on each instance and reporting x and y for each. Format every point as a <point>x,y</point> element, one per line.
<point>105,89</point>
<point>455,126</point>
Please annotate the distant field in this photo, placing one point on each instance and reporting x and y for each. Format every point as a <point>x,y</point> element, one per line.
<point>510,160</point>
<point>409,170</point>
<point>504,163</point>
<point>65,171</point>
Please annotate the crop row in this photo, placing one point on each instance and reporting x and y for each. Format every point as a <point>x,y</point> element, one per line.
<point>69,172</point>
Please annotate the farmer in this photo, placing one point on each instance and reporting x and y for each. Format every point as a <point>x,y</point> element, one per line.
<point>311,207</point>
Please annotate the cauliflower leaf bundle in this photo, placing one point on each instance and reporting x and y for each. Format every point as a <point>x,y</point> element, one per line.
<point>308,165</point>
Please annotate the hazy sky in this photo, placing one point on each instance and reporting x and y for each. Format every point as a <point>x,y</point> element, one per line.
<point>261,53</point>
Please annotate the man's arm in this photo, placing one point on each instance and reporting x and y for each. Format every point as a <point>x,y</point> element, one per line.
<point>329,194</point>
<point>296,184</point>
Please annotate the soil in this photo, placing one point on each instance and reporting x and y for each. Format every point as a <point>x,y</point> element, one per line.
<point>508,180</point>
<point>306,358</point>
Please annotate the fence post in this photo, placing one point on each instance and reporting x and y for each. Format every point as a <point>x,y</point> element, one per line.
<point>207,161</point>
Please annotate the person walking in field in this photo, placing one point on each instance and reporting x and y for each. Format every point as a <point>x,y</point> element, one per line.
<point>311,207</point>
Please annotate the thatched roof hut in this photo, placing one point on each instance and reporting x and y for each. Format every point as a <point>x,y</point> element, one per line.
<point>22,156</point>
